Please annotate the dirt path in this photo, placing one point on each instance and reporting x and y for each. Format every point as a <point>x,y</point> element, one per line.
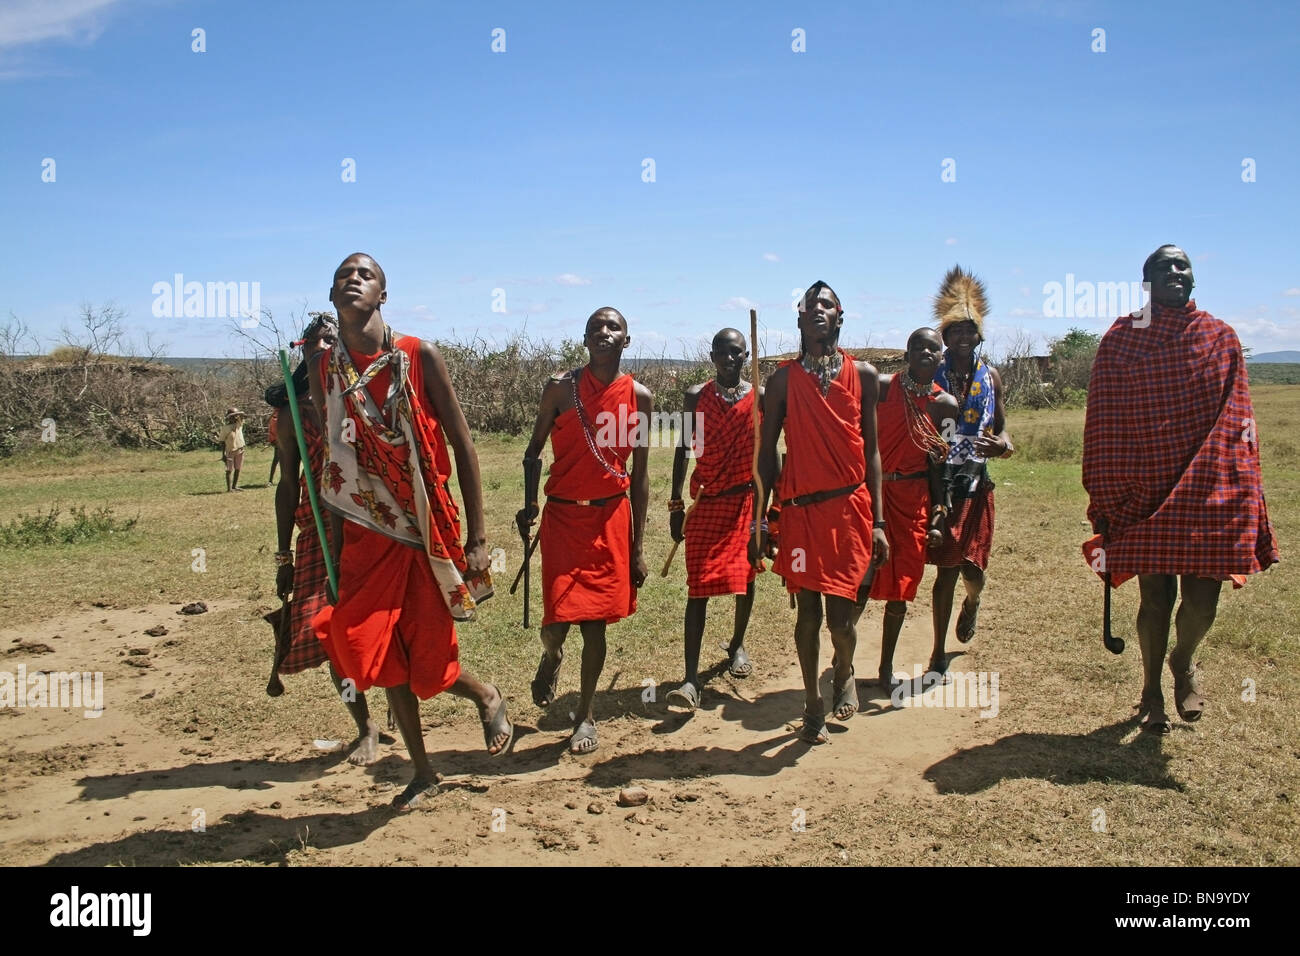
<point>729,784</point>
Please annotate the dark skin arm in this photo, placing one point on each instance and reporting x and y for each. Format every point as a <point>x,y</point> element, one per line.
<point>441,398</point>
<point>943,412</point>
<point>997,445</point>
<point>557,398</point>
<point>774,403</point>
<point>640,487</point>
<point>677,519</point>
<point>870,381</point>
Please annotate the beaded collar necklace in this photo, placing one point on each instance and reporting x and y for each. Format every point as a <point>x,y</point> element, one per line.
<point>733,394</point>
<point>827,368</point>
<point>586,431</point>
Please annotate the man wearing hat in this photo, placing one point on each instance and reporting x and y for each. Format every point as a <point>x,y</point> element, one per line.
<point>980,434</point>
<point>231,437</point>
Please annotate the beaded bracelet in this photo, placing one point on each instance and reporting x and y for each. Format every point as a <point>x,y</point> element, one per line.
<point>751,527</point>
<point>676,504</point>
<point>283,557</point>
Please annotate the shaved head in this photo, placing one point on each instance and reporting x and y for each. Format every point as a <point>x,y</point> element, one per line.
<point>1168,250</point>
<point>383,279</point>
<point>728,334</point>
<point>925,332</point>
<point>609,310</point>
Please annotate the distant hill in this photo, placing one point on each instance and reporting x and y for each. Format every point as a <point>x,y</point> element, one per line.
<point>1266,358</point>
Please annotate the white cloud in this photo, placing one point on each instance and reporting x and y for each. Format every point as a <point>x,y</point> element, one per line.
<point>771,257</point>
<point>570,279</point>
<point>1292,291</point>
<point>737,302</point>
<point>950,242</point>
<point>1265,335</point>
<point>33,21</point>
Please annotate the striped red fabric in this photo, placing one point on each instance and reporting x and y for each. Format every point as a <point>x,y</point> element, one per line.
<point>1170,451</point>
<point>717,536</point>
<point>309,577</point>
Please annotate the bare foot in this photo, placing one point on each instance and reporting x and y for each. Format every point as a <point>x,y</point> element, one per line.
<point>366,748</point>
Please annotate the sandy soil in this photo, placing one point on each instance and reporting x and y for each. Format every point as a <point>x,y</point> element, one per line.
<point>729,784</point>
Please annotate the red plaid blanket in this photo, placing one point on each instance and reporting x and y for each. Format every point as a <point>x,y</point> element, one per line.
<point>309,577</point>
<point>717,536</point>
<point>1170,451</point>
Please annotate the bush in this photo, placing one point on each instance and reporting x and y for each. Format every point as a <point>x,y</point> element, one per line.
<point>28,531</point>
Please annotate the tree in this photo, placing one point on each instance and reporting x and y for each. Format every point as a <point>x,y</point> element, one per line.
<point>1076,343</point>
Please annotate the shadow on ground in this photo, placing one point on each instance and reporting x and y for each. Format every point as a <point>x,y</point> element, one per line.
<point>1064,759</point>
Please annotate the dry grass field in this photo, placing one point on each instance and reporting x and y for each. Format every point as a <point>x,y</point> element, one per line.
<point>1061,774</point>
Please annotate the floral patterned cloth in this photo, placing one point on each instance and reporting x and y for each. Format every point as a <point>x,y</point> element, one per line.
<point>976,411</point>
<point>370,475</point>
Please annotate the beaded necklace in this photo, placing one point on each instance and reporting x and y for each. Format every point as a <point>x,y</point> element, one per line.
<point>733,394</point>
<point>827,368</point>
<point>586,431</point>
<point>920,429</point>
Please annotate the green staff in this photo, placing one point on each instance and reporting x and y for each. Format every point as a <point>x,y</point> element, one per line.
<point>306,470</point>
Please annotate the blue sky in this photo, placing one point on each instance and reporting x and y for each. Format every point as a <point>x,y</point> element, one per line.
<point>523,170</point>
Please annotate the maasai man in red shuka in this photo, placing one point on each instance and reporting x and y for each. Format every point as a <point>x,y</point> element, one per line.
<point>1173,477</point>
<point>911,415</point>
<point>597,419</point>
<point>302,571</point>
<point>386,402</point>
<point>720,424</point>
<point>832,522</point>
<point>980,434</point>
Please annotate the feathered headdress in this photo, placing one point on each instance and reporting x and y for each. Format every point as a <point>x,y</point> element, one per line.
<point>962,298</point>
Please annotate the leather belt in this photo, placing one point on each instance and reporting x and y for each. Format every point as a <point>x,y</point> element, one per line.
<point>733,490</point>
<point>586,503</point>
<point>818,496</point>
<point>899,476</point>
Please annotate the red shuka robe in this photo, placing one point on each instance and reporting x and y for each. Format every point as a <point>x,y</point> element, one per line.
<point>587,550</point>
<point>906,501</point>
<point>826,546</point>
<point>1170,451</point>
<point>717,534</point>
<point>391,625</point>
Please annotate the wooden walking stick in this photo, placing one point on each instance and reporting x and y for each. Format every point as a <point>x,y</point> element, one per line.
<point>310,479</point>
